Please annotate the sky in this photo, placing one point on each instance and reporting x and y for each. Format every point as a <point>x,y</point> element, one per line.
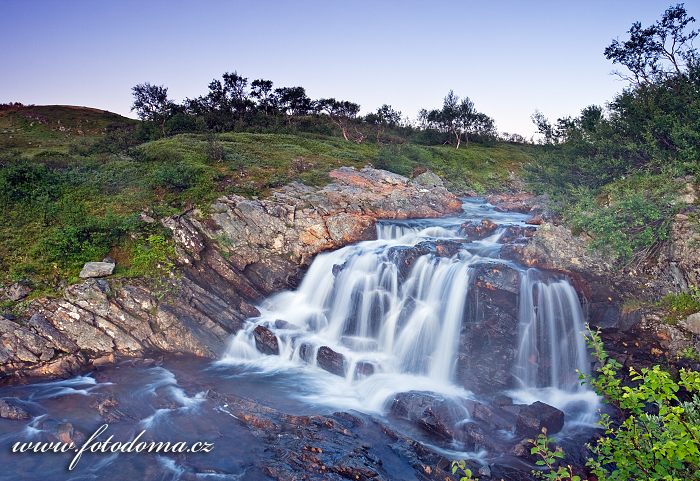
<point>510,57</point>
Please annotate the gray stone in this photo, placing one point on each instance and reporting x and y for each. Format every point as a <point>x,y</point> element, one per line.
<point>97,269</point>
<point>692,323</point>
<point>428,179</point>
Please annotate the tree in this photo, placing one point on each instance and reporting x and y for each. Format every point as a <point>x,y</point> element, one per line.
<point>293,101</point>
<point>385,116</point>
<point>655,52</point>
<point>151,103</point>
<point>459,118</point>
<point>262,90</point>
<point>341,112</point>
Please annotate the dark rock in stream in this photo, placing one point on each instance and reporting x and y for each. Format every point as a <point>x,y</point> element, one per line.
<point>488,341</point>
<point>531,419</point>
<point>477,230</point>
<point>431,412</point>
<point>10,411</point>
<point>266,341</point>
<point>331,361</point>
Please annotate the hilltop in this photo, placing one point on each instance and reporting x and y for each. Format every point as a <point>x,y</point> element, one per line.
<point>53,126</point>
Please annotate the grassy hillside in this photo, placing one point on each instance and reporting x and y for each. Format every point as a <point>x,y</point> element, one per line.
<point>33,128</point>
<point>77,194</point>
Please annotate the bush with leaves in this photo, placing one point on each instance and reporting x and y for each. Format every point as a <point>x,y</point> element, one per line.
<point>659,438</point>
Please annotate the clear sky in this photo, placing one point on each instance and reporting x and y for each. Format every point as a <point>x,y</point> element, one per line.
<point>510,57</point>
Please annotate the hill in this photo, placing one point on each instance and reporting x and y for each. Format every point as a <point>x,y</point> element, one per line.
<point>35,127</point>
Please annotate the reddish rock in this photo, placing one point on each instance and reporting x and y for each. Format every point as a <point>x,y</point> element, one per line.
<point>266,341</point>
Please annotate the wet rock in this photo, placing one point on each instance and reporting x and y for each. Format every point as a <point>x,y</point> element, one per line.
<point>96,269</point>
<point>516,233</point>
<point>405,256</point>
<point>488,340</point>
<point>531,419</point>
<point>431,412</point>
<point>363,369</point>
<point>475,230</point>
<point>331,361</point>
<point>306,352</point>
<point>266,341</point>
<point>10,411</point>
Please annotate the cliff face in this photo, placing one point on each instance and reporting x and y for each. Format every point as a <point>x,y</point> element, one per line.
<point>229,258</point>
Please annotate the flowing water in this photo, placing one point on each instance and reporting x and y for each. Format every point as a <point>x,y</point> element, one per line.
<point>392,326</point>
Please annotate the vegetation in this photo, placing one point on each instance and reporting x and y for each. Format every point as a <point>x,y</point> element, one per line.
<point>612,172</point>
<point>81,198</point>
<point>681,305</point>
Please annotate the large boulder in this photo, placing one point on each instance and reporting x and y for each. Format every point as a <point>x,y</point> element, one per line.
<point>96,269</point>
<point>488,341</point>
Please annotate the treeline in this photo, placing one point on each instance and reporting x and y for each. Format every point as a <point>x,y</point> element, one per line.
<point>233,103</point>
<point>614,171</point>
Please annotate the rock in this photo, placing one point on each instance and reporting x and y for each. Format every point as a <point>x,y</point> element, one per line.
<point>473,230</point>
<point>9,411</point>
<point>363,369</point>
<point>531,419</point>
<point>266,341</point>
<point>97,269</point>
<point>431,412</point>
<point>15,292</point>
<point>692,323</point>
<point>519,202</point>
<point>534,220</point>
<point>331,361</point>
<point>428,179</point>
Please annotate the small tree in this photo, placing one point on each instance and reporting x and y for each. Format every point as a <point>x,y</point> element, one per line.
<point>459,118</point>
<point>657,51</point>
<point>341,112</point>
<point>151,104</point>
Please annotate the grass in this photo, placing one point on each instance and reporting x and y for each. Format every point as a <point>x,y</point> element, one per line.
<point>74,194</point>
<point>680,305</point>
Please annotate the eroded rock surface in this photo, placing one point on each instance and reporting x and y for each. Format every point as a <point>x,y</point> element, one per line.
<point>239,252</point>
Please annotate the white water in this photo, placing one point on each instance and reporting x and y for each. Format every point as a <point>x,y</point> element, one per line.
<point>357,302</point>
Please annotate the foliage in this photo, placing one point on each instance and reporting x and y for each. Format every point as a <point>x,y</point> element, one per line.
<point>154,257</point>
<point>612,169</point>
<point>549,460</point>
<point>682,304</point>
<point>459,118</point>
<point>659,438</point>
<point>624,218</point>
<point>466,474</point>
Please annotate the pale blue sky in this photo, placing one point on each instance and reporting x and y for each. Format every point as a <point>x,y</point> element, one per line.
<point>509,57</point>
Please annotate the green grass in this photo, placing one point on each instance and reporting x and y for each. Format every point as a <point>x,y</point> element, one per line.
<point>32,129</point>
<point>74,197</point>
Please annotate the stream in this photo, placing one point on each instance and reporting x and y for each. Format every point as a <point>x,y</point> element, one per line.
<point>414,333</point>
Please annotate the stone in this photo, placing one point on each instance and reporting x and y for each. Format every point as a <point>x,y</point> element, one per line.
<point>331,361</point>
<point>531,419</point>
<point>692,323</point>
<point>474,230</point>
<point>16,292</point>
<point>96,269</point>
<point>428,179</point>
<point>431,412</point>
<point>266,341</point>
<point>363,369</point>
<point>9,411</point>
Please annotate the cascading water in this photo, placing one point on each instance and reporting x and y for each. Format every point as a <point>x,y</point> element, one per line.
<point>403,324</point>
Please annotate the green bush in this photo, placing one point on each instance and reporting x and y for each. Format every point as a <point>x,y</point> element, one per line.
<point>681,305</point>
<point>659,438</point>
<point>177,177</point>
<point>152,258</point>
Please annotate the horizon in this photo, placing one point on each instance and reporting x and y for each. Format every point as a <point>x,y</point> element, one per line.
<point>369,54</point>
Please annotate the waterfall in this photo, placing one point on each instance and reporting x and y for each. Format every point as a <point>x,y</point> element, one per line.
<point>551,343</point>
<point>390,313</point>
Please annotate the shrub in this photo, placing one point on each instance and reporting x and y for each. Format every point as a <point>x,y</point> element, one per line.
<point>659,438</point>
<point>682,304</point>
<point>178,177</point>
<point>153,258</point>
